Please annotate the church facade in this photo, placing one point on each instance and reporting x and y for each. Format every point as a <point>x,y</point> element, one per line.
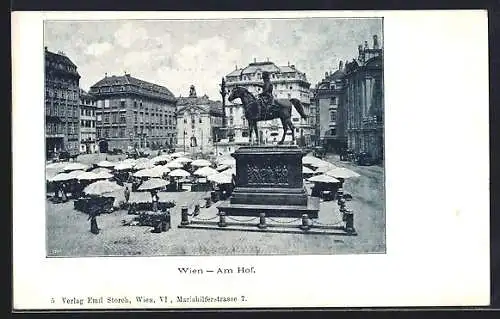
<point>199,121</point>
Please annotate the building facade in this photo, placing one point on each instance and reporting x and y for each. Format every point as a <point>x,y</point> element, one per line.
<point>199,121</point>
<point>331,114</point>
<point>365,101</point>
<point>288,82</point>
<point>88,130</point>
<point>62,115</point>
<point>133,113</point>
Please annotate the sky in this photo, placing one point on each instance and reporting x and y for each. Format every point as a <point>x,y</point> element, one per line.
<point>178,53</point>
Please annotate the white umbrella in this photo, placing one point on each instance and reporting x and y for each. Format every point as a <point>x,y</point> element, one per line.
<point>174,165</point>
<point>104,175</point>
<point>307,170</point>
<point>61,177</point>
<point>101,188</point>
<point>49,174</point>
<point>89,176</point>
<point>342,172</point>
<point>101,169</point>
<point>75,166</point>
<point>182,160</point>
<point>163,169</point>
<point>231,171</point>
<point>205,171</point>
<point>220,178</point>
<point>179,173</point>
<point>75,174</point>
<point>144,165</point>
<point>325,168</point>
<point>323,178</point>
<point>161,158</point>
<point>222,167</point>
<point>200,163</point>
<point>148,172</point>
<point>130,161</point>
<point>229,161</point>
<point>178,154</point>
<point>56,165</point>
<point>153,183</point>
<point>124,166</point>
<point>106,164</point>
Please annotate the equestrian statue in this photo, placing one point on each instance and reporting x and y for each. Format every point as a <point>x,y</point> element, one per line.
<point>265,107</point>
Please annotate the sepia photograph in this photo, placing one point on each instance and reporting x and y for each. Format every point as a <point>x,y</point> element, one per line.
<point>214,137</point>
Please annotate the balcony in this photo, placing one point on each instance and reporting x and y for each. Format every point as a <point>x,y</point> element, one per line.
<point>372,122</point>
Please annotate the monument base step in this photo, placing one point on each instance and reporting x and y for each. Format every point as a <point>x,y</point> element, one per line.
<point>295,211</point>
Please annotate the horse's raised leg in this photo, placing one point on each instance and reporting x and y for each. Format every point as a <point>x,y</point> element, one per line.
<point>250,124</point>
<point>285,126</point>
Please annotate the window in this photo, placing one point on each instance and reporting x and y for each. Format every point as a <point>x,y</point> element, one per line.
<point>200,120</point>
<point>230,110</point>
<point>106,104</point>
<point>106,118</point>
<point>123,119</point>
<point>333,101</point>
<point>295,119</point>
<point>185,121</point>
<point>122,104</point>
<point>333,116</point>
<point>135,104</point>
<point>122,132</point>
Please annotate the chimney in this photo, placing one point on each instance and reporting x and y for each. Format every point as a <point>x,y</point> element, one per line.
<point>366,45</point>
<point>341,65</point>
<point>375,42</point>
<point>254,60</point>
<point>46,49</point>
<point>105,75</point>
<point>236,67</point>
<point>292,66</point>
<point>288,63</point>
<point>267,59</point>
<point>326,75</point>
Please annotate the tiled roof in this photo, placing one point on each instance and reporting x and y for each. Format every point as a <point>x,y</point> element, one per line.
<point>235,73</point>
<point>127,79</point>
<point>262,66</point>
<point>85,94</point>
<point>59,58</point>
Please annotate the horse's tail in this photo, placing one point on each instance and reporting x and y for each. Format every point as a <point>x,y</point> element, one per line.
<point>299,107</point>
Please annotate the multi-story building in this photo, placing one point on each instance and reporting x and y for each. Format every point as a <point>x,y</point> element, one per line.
<point>329,100</point>
<point>133,113</point>
<point>88,131</point>
<point>288,82</point>
<point>198,122</point>
<point>365,101</point>
<point>61,104</point>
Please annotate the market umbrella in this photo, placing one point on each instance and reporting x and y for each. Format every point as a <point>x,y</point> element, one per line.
<point>200,163</point>
<point>144,165</point>
<point>229,161</point>
<point>325,168</point>
<point>307,170</point>
<point>163,169</point>
<point>323,178</point>
<point>88,176</point>
<point>56,165</point>
<point>153,183</point>
<point>220,178</point>
<point>98,170</point>
<point>342,172</point>
<point>104,175</point>
<point>75,174</point>
<point>129,161</point>
<point>148,172</point>
<point>61,177</point>
<point>205,171</point>
<point>102,188</point>
<point>230,172</point>
<point>222,167</point>
<point>124,166</point>
<point>178,154</point>
<point>49,174</point>
<point>182,160</point>
<point>75,166</point>
<point>174,165</point>
<point>161,158</point>
<point>179,173</point>
<point>106,164</point>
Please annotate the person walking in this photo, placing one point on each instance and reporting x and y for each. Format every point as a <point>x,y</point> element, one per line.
<point>127,194</point>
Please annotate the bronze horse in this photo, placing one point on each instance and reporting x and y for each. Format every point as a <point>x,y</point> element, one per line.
<point>256,112</point>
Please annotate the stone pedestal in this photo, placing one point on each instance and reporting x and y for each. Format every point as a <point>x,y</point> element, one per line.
<point>269,180</point>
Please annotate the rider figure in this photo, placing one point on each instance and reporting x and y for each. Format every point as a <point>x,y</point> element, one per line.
<point>266,96</point>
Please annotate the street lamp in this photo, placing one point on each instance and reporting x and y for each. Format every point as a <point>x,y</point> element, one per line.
<point>184,139</point>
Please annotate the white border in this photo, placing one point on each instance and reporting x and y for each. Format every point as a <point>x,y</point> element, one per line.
<point>436,97</point>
